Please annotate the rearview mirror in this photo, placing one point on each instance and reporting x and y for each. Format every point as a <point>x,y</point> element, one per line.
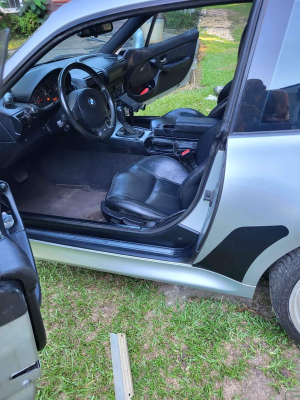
<point>96,30</point>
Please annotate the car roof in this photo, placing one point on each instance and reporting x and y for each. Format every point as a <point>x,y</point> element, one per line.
<point>73,12</point>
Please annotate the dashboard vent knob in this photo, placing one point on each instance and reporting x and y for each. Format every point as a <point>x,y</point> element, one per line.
<point>91,83</point>
<point>124,64</point>
<point>24,118</point>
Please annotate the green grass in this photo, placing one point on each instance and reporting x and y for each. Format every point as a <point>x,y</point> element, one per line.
<point>14,43</point>
<point>183,351</point>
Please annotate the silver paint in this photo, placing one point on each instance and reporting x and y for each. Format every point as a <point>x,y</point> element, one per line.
<point>200,216</point>
<point>261,188</point>
<point>163,271</point>
<point>18,350</point>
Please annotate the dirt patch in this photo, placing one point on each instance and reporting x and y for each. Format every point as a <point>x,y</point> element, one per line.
<point>179,294</point>
<point>261,303</point>
<point>256,386</point>
<point>216,23</point>
<point>233,352</point>
<point>173,383</point>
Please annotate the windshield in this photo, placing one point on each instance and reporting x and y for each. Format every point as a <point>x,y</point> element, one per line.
<point>76,46</point>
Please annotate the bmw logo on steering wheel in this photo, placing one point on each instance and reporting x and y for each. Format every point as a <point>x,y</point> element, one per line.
<point>91,101</point>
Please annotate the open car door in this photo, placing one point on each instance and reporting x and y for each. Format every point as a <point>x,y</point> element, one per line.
<point>159,68</point>
<point>22,331</point>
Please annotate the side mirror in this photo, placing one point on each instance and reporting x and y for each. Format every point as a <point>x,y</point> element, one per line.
<point>96,30</point>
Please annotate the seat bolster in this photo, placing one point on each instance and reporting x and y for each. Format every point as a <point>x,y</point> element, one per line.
<point>188,189</point>
<point>129,206</point>
<point>170,117</point>
<point>163,167</point>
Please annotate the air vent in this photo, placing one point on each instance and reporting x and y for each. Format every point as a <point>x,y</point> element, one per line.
<point>123,62</point>
<point>24,118</point>
<point>90,81</point>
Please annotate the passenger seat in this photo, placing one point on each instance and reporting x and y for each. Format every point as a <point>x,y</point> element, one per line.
<point>217,113</point>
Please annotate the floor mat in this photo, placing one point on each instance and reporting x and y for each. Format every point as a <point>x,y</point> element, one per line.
<point>38,196</point>
<point>91,168</point>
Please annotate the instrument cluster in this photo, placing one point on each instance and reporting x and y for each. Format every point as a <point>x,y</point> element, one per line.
<point>46,93</point>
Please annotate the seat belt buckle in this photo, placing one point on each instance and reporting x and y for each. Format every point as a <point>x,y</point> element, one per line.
<point>188,157</point>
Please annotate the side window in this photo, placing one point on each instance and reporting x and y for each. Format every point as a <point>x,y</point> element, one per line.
<point>170,24</point>
<point>166,26</point>
<point>220,38</point>
<point>271,98</point>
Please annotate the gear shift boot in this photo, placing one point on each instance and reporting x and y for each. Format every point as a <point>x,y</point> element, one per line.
<point>127,130</point>
<point>134,132</point>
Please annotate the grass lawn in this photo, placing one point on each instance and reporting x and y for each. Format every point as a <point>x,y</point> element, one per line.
<point>196,350</point>
<point>199,349</point>
<point>16,43</point>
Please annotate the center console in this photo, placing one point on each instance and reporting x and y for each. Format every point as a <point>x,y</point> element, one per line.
<point>186,127</point>
<point>170,139</point>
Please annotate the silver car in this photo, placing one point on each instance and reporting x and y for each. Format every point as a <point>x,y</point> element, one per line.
<point>211,201</point>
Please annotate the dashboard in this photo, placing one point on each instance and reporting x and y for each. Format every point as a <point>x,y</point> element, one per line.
<point>33,112</point>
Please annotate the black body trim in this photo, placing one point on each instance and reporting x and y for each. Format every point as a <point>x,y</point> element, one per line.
<point>234,255</point>
<point>175,236</point>
<point>12,303</point>
<point>111,245</point>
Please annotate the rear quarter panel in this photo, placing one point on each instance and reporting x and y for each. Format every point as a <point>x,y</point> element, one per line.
<point>261,188</point>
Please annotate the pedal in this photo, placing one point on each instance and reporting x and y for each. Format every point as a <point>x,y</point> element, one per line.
<point>20,174</point>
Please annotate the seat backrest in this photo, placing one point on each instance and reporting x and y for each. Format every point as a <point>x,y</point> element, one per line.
<point>218,111</point>
<point>189,186</point>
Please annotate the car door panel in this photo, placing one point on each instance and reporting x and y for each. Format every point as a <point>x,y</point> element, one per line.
<point>22,331</point>
<point>159,67</point>
<point>19,366</point>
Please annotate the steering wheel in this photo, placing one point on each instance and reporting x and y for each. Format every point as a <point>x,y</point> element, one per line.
<point>86,109</point>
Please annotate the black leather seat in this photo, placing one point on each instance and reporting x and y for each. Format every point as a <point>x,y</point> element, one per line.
<point>158,186</point>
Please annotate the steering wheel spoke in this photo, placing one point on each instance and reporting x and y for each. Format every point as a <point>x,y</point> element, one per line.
<point>90,111</point>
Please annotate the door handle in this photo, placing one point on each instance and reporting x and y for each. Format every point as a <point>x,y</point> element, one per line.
<point>170,66</point>
<point>163,60</point>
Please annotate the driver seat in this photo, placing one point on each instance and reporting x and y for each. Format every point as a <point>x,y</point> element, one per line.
<point>156,186</point>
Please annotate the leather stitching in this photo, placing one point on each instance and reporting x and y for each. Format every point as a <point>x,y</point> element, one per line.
<point>140,206</point>
<point>165,194</point>
<point>158,177</point>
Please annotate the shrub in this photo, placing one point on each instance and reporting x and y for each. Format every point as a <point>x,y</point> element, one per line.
<point>29,23</point>
<point>37,7</point>
<point>11,21</point>
<point>181,19</point>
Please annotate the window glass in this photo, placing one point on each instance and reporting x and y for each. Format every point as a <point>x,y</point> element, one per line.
<point>75,45</point>
<point>172,23</point>
<point>271,98</point>
<point>220,31</point>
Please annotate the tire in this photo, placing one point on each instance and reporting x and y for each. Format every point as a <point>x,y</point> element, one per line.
<point>285,292</point>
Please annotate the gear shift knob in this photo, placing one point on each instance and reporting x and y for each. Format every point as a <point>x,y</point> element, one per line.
<point>121,115</point>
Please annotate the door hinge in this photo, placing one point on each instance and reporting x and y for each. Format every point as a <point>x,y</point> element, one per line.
<point>209,196</point>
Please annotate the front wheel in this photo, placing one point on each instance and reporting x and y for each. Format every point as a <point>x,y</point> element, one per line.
<point>285,292</point>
